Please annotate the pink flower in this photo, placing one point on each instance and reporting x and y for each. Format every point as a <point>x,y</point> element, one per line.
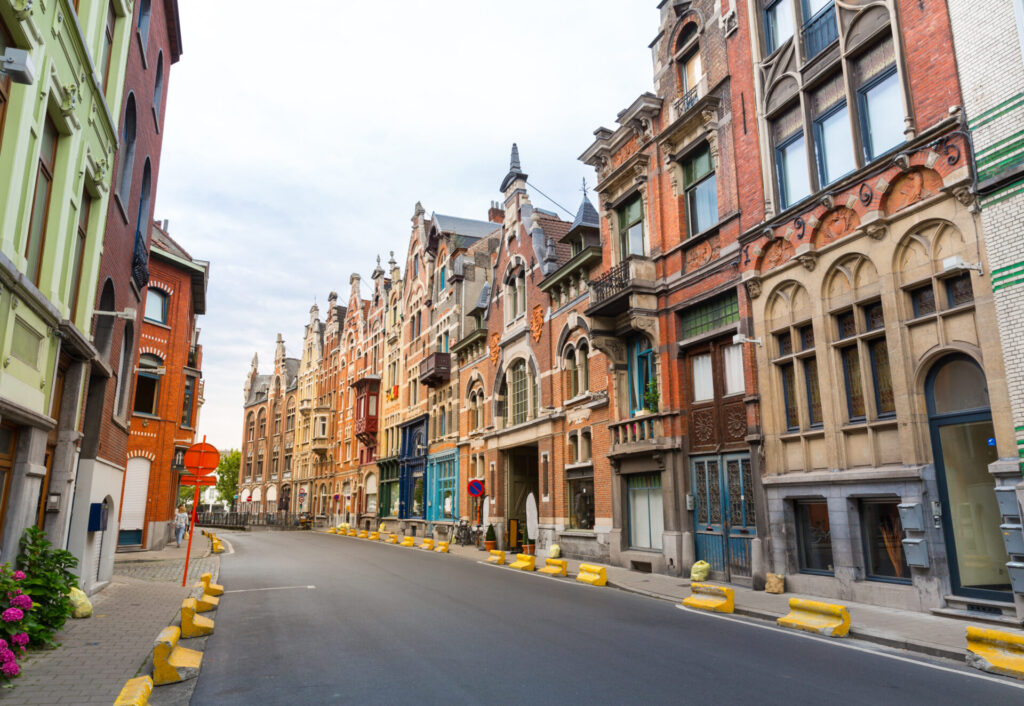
<point>7,656</point>
<point>10,669</point>
<point>12,615</point>
<point>20,639</point>
<point>19,575</point>
<point>3,644</point>
<point>22,601</point>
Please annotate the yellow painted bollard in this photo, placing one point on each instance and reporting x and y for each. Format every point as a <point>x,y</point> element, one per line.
<point>135,692</point>
<point>408,541</point>
<point>996,651</point>
<point>212,589</point>
<point>193,625</point>
<point>363,534</point>
<point>555,567</point>
<point>428,544</point>
<point>206,603</point>
<point>375,536</point>
<point>172,662</point>
<point>829,619</point>
<point>353,533</point>
<point>441,547</point>
<point>592,574</point>
<point>524,562</point>
<point>497,557</point>
<point>332,530</point>
<point>705,596</point>
<point>393,539</point>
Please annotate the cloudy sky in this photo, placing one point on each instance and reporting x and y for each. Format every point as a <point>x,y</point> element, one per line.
<point>297,142</point>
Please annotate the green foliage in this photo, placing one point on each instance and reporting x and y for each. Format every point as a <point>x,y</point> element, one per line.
<point>48,582</point>
<point>227,476</point>
<point>186,493</point>
<point>491,536</point>
<point>651,395</point>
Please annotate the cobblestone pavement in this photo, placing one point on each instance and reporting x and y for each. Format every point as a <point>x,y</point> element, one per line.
<point>99,654</point>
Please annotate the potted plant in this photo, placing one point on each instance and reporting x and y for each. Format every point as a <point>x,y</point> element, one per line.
<point>490,539</point>
<point>651,396</point>
<point>528,546</point>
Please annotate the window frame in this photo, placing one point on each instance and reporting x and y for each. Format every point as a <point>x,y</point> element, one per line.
<point>785,201</point>
<point>155,377</point>
<point>625,248</point>
<point>164,306</point>
<point>78,256</point>
<point>45,169</point>
<point>820,152</point>
<point>690,190</point>
<point>863,118</point>
<point>802,545</point>
<point>772,43</point>
<point>866,545</point>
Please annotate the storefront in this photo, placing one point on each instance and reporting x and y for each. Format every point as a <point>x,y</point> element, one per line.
<point>443,495</point>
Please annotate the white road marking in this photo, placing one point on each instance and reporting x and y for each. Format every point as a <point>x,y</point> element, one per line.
<point>272,588</point>
<point>838,643</point>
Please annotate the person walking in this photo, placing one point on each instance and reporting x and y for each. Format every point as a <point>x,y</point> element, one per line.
<point>180,524</point>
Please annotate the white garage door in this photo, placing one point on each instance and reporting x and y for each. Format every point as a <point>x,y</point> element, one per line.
<point>133,512</point>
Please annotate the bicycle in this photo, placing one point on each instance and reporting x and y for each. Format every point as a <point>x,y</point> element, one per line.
<point>465,535</point>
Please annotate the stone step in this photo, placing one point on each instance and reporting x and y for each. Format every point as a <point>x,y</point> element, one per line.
<point>980,610</point>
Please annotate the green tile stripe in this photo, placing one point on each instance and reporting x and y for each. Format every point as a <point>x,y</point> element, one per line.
<point>1007,276</point>
<point>997,145</point>
<point>993,168</point>
<point>984,118</point>
<point>1007,192</point>
<point>998,272</point>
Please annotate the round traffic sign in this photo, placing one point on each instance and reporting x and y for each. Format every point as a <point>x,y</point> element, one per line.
<point>475,488</point>
<point>202,458</point>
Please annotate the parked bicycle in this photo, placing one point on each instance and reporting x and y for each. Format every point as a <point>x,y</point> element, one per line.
<point>465,534</point>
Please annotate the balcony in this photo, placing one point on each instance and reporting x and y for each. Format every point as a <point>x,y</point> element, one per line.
<point>320,446</point>
<point>638,434</point>
<point>628,285</point>
<point>435,369</point>
<point>140,262</point>
<point>305,407</point>
<point>366,430</point>
<point>819,32</point>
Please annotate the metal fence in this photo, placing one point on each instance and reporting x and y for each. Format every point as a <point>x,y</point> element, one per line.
<point>269,520</point>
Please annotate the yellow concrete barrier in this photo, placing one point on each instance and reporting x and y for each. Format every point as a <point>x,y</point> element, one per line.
<point>172,662</point>
<point>497,557</point>
<point>996,651</point>
<point>555,567</point>
<point>206,602</point>
<point>441,547</point>
<point>193,625</point>
<point>363,534</point>
<point>375,536</point>
<point>428,544</point>
<point>218,548</point>
<point>135,692</point>
<point>353,533</point>
<point>706,596</point>
<point>212,589</point>
<point>408,541</point>
<point>524,562</point>
<point>592,574</point>
<point>829,619</point>
<point>393,539</point>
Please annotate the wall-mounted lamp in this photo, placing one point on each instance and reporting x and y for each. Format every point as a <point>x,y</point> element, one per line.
<point>17,63</point>
<point>129,314</point>
<point>739,338</point>
<point>957,264</point>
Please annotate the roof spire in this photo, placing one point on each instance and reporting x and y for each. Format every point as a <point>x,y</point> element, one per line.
<point>515,169</point>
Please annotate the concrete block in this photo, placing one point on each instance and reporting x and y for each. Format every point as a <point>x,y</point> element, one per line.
<point>193,625</point>
<point>135,692</point>
<point>592,574</point>
<point>706,596</point>
<point>828,619</point>
<point>212,589</point>
<point>555,567</point>
<point>524,562</point>
<point>173,663</point>
<point>996,651</point>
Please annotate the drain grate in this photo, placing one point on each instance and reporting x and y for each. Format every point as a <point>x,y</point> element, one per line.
<point>986,609</point>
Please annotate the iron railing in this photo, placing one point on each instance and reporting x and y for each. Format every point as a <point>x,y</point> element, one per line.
<point>140,262</point>
<point>272,520</point>
<point>820,31</point>
<point>690,98</point>
<point>612,282</point>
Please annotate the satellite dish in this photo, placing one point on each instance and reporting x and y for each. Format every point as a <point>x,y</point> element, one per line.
<point>487,507</point>
<point>531,516</point>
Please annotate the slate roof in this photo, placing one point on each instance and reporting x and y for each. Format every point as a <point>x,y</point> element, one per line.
<point>465,226</point>
<point>481,301</point>
<point>259,389</point>
<point>587,216</point>
<point>556,229</point>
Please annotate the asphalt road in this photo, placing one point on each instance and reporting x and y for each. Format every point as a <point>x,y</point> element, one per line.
<point>391,625</point>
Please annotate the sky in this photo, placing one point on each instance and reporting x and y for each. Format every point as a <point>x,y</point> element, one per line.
<point>296,144</point>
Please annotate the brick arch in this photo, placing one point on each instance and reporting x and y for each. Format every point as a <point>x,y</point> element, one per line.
<point>139,453</point>
<point>153,351</point>
<point>774,253</point>
<point>835,224</point>
<point>910,187</point>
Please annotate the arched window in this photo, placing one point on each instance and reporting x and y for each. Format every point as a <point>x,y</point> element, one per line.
<point>158,87</point>
<point>277,418</point>
<point>572,382</point>
<point>127,360</point>
<point>126,150</point>
<point>104,331</point>
<point>147,384</point>
<point>690,74</point>
<point>251,428</point>
<point>144,12</point>
<point>290,425</point>
<point>582,362</point>
<point>262,424</point>
<point>518,390</point>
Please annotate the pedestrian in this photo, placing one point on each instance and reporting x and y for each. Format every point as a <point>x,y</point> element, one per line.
<point>180,524</point>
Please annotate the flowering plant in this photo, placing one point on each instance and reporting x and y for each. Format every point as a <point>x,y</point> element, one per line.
<point>14,617</point>
<point>48,581</point>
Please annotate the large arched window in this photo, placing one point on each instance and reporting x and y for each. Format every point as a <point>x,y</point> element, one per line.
<point>126,150</point>
<point>262,424</point>
<point>519,402</point>
<point>144,12</point>
<point>145,199</point>
<point>125,376</point>
<point>572,382</point>
<point>147,384</point>
<point>250,433</point>
<point>158,88</point>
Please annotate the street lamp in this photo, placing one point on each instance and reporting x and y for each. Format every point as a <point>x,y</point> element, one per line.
<point>17,63</point>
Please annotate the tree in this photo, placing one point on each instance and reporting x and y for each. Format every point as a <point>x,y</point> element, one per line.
<point>227,476</point>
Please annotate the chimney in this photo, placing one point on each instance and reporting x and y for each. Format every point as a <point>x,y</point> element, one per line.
<point>496,214</point>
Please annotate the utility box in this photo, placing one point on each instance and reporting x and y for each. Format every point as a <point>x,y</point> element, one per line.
<point>97,517</point>
<point>912,517</point>
<point>1013,538</point>
<point>916,551</point>
<point>1006,496</point>
<point>1016,570</point>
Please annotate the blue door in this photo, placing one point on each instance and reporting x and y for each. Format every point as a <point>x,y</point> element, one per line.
<point>723,514</point>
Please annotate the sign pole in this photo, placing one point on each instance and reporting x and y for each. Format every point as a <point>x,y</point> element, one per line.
<point>192,527</point>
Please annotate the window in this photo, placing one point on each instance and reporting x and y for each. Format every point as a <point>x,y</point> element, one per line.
<point>872,344</point>
<point>789,397</point>
<point>833,145</point>
<point>585,446</point>
<point>415,265</point>
<point>854,388</point>
<point>574,448</point>
<point>443,276</point>
<point>41,200</point>
<point>158,87</point>
<point>186,407</point>
<point>108,44</point>
<point>581,502</point>
<point>144,12</point>
<point>778,20</point>
<point>701,192</point>
<point>371,494</point>
<point>732,362</point>
<point>583,364</point>
<point>814,537</point>
<point>417,497</point>
<point>147,384</point>
<point>710,315</point>
<point>251,429</point>
<point>881,114</point>
<point>290,423</point>
<point>571,374</point>
<point>126,151</point>
<point>820,28</point>
<point>798,365</point>
<point>641,371</point>
<point>882,532</point>
<point>156,305</point>
<point>263,424</point>
<point>791,163</point>
<point>127,358</point>
<point>78,258</point>
<point>959,290</point>
<point>631,228</point>
<point>519,402</point>
<point>922,299</point>
<point>703,378</point>
<point>813,392</point>
<point>690,75</point>
<point>646,514</point>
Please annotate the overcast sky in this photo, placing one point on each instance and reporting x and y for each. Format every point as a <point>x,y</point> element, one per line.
<point>298,140</point>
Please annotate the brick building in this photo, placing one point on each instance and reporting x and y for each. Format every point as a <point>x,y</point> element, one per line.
<point>168,391</point>
<point>123,275</point>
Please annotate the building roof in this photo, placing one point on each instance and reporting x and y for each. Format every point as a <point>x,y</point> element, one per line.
<point>587,216</point>
<point>167,248</point>
<point>515,170</point>
<point>464,226</point>
<point>556,229</point>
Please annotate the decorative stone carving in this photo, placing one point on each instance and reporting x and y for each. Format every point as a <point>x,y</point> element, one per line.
<point>754,288</point>
<point>902,160</point>
<point>537,322</point>
<point>736,422</point>
<point>70,100</point>
<point>703,427</point>
<point>835,225</point>
<point>910,187</point>
<point>809,260</point>
<point>22,9</point>
<point>876,231</point>
<point>779,251</point>
<point>828,201</point>
<point>495,348</point>
<point>702,253</point>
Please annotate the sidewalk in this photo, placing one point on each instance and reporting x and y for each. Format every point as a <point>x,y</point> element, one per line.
<point>923,633</point>
<point>99,654</point>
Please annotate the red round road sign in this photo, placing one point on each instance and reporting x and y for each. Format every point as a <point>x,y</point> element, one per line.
<point>202,458</point>
<point>475,488</point>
